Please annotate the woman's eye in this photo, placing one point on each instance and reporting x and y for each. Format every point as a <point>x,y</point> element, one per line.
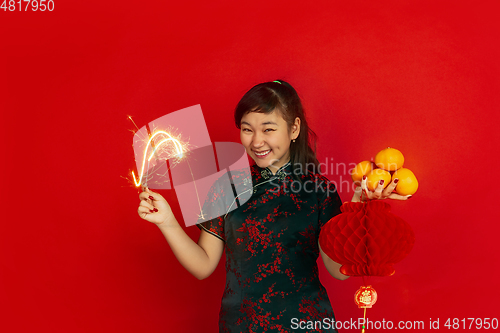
<point>245,130</point>
<point>269,129</point>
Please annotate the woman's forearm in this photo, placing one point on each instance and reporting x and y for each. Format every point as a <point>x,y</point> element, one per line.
<point>191,255</point>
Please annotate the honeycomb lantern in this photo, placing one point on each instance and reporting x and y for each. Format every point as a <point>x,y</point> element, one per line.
<point>366,239</point>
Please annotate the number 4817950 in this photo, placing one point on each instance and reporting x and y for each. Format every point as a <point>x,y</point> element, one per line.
<point>25,5</point>
<point>474,323</point>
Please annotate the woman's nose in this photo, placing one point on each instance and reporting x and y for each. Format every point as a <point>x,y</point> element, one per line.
<point>257,140</point>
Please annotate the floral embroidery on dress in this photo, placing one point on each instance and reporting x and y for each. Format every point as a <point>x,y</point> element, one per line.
<point>271,246</point>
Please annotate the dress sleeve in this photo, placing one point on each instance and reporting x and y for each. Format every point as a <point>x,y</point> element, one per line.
<point>214,227</point>
<point>330,202</point>
<point>213,207</point>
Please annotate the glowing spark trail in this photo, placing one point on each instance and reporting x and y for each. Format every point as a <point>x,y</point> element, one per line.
<point>201,215</point>
<point>132,120</point>
<point>176,142</point>
<point>178,148</point>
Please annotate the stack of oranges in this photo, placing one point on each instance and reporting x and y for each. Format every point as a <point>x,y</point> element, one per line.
<point>387,166</point>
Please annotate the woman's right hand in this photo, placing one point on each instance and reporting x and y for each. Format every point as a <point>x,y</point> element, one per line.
<point>155,209</point>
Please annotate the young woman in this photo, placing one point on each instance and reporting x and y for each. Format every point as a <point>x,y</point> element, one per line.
<point>271,241</point>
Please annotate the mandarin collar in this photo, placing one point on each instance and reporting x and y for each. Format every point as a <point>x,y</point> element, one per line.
<point>280,173</point>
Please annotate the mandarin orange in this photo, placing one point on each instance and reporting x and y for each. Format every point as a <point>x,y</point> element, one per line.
<point>407,184</point>
<point>361,169</point>
<point>389,159</point>
<point>375,176</point>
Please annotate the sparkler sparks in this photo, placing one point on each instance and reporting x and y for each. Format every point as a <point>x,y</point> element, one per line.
<point>177,145</point>
<point>218,172</point>
<point>133,122</point>
<point>164,145</point>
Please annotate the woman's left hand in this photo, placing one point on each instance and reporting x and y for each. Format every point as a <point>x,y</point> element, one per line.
<point>362,192</point>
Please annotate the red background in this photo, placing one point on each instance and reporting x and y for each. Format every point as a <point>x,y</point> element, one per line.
<point>419,76</point>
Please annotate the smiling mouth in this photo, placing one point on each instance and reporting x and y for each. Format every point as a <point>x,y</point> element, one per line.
<point>262,153</point>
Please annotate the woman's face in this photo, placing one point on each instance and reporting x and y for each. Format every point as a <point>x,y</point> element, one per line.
<point>266,138</point>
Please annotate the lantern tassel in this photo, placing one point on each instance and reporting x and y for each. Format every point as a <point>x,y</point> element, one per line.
<point>364,322</point>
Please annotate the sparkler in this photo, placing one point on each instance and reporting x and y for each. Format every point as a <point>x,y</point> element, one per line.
<point>178,148</point>
<point>158,147</point>
<point>180,151</point>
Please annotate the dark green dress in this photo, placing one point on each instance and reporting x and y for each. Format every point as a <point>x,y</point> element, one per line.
<point>271,244</point>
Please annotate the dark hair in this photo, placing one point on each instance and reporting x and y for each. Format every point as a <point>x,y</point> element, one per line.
<point>281,97</point>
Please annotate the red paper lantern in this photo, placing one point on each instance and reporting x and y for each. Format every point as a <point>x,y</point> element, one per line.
<point>366,239</point>
<point>365,297</point>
